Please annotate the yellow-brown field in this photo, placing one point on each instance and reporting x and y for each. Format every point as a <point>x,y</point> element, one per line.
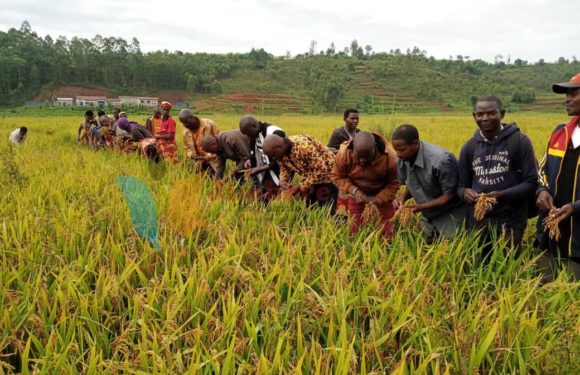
<point>237,287</point>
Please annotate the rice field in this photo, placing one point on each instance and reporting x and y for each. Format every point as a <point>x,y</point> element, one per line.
<point>238,288</point>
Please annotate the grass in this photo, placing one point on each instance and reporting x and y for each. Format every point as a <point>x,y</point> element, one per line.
<point>241,288</point>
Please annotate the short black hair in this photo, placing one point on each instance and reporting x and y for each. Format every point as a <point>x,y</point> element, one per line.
<point>406,132</point>
<point>152,153</point>
<point>23,130</point>
<point>89,113</point>
<point>489,99</point>
<point>101,113</point>
<point>117,109</point>
<point>348,111</point>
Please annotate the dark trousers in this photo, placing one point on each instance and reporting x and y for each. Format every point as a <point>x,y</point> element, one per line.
<point>490,232</point>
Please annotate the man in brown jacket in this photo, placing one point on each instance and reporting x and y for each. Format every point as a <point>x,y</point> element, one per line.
<point>366,169</point>
<point>232,145</point>
<point>195,129</point>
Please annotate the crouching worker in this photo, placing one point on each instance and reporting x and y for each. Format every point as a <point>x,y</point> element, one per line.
<point>229,145</point>
<point>366,170</point>
<point>305,156</point>
<point>148,147</point>
<point>429,174</point>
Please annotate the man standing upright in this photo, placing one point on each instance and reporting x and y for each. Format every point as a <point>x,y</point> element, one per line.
<point>346,132</point>
<point>498,162</point>
<point>195,129</point>
<point>366,171</point>
<point>429,174</point>
<point>559,191</point>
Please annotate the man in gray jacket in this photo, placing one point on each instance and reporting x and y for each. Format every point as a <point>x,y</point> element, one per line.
<point>429,174</point>
<point>232,145</point>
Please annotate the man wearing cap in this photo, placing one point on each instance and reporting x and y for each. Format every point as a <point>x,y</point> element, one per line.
<point>195,129</point>
<point>559,193</point>
<point>166,135</point>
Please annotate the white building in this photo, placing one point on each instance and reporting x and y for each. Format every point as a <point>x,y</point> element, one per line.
<point>93,101</point>
<point>146,101</point>
<point>64,102</point>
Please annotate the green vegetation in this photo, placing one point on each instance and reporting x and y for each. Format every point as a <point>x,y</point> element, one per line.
<point>240,288</point>
<point>376,82</point>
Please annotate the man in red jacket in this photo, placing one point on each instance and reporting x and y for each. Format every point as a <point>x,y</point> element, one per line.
<point>559,193</point>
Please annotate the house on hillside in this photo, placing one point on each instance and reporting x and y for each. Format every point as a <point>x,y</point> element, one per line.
<point>114,102</point>
<point>64,102</point>
<point>92,101</point>
<point>145,101</point>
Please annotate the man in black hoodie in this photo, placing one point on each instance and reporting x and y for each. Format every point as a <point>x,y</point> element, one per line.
<point>498,162</point>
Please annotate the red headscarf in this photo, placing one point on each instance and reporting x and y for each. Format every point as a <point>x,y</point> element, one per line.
<point>166,105</point>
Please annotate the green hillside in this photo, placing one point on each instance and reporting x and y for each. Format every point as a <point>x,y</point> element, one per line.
<point>38,67</point>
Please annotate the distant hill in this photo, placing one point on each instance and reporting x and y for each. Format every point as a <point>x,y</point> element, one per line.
<point>42,68</point>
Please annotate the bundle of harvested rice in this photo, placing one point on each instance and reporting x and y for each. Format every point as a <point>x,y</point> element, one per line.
<point>551,225</point>
<point>482,206</point>
<point>405,216</point>
<point>371,213</point>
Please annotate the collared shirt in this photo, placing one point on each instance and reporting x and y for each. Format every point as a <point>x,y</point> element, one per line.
<point>262,159</point>
<point>576,137</point>
<point>338,136</point>
<point>432,174</point>
<point>233,146</point>
<point>192,140</point>
<point>308,158</point>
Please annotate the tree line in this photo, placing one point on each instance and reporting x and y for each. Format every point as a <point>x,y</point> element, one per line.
<point>327,77</point>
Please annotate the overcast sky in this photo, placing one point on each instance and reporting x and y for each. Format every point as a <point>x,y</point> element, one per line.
<point>526,29</point>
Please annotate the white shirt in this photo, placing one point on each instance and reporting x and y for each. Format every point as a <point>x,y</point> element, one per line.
<point>261,158</point>
<point>576,137</point>
<point>14,138</point>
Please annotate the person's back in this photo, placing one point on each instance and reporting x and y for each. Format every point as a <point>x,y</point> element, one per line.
<point>18,136</point>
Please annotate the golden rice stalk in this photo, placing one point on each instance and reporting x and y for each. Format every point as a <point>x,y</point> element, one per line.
<point>551,225</point>
<point>371,213</point>
<point>405,216</point>
<point>187,205</point>
<point>341,210</point>
<point>482,206</point>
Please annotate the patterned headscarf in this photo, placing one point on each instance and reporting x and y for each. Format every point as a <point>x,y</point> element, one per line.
<point>166,105</point>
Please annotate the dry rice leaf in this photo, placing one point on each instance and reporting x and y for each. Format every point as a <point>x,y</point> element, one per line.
<point>371,213</point>
<point>405,216</point>
<point>551,225</point>
<point>482,206</point>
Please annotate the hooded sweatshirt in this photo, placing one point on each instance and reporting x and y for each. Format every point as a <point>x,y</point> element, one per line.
<point>491,170</point>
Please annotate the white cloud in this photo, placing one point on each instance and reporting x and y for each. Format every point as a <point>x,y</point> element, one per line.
<point>530,30</point>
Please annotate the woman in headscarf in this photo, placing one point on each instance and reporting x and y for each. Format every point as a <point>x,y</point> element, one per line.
<point>166,135</point>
